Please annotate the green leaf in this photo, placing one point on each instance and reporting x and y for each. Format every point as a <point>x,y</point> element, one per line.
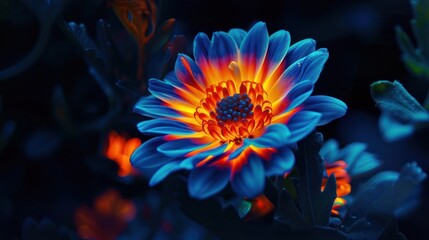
<point>326,201</point>
<point>287,213</point>
<point>392,98</point>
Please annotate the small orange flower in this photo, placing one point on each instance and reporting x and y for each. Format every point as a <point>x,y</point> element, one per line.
<point>119,149</point>
<point>107,219</point>
<point>343,182</point>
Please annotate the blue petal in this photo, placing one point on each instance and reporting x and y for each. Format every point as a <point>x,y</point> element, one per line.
<point>273,137</point>
<point>330,151</point>
<point>310,67</point>
<point>246,143</point>
<point>201,48</point>
<point>253,49</point>
<point>188,72</point>
<point>250,181</point>
<point>299,50</point>
<point>163,126</point>
<point>165,170</point>
<point>222,46</point>
<point>392,129</point>
<point>151,106</point>
<point>163,90</point>
<point>179,147</point>
<point>301,124</point>
<point>307,68</point>
<point>238,35</point>
<point>358,160</point>
<point>330,108</point>
<point>299,93</point>
<point>223,50</point>
<point>281,162</point>
<point>277,49</point>
<point>146,156</point>
<point>205,182</point>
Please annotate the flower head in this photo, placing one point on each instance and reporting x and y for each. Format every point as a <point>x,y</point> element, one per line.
<point>233,113</point>
<point>108,218</point>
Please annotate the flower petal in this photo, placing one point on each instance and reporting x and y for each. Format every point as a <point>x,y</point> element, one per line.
<point>299,93</point>
<point>164,126</point>
<point>330,108</point>
<point>277,48</point>
<point>146,156</point>
<point>179,147</point>
<point>280,163</point>
<point>223,50</point>
<point>250,181</point>
<point>358,160</point>
<point>201,54</point>
<point>238,35</point>
<point>300,49</point>
<point>330,150</point>
<point>166,170</point>
<point>184,102</point>
<point>151,106</point>
<point>252,51</point>
<point>205,181</point>
<point>307,68</point>
<point>189,74</point>
<point>274,136</point>
<point>301,124</point>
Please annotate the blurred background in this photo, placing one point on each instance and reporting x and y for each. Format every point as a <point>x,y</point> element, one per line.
<point>58,120</point>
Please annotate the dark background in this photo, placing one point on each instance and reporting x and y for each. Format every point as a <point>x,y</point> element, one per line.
<point>359,35</point>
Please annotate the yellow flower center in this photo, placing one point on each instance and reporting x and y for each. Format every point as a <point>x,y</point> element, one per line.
<point>229,115</point>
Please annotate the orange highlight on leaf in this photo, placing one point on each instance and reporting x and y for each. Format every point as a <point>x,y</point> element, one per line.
<point>119,149</point>
<point>107,219</point>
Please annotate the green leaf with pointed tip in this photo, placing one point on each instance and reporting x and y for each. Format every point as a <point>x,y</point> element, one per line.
<point>393,99</point>
<point>326,201</point>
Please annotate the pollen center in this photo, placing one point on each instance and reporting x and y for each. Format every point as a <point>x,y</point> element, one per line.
<point>230,114</point>
<point>234,108</point>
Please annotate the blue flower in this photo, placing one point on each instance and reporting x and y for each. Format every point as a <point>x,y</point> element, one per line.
<point>358,160</point>
<point>231,115</point>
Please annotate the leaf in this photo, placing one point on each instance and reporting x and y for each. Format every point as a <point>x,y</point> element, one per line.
<point>392,98</point>
<point>326,201</point>
<point>405,43</point>
<point>287,213</point>
<point>314,206</point>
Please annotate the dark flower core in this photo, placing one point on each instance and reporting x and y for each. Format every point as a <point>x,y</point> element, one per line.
<point>234,108</point>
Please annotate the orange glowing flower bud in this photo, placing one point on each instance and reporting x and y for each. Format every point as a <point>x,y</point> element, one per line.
<point>119,149</point>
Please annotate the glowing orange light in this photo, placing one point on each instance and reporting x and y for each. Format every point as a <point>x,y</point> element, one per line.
<point>107,219</point>
<point>343,183</point>
<point>230,131</point>
<point>119,149</point>
<point>261,206</point>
